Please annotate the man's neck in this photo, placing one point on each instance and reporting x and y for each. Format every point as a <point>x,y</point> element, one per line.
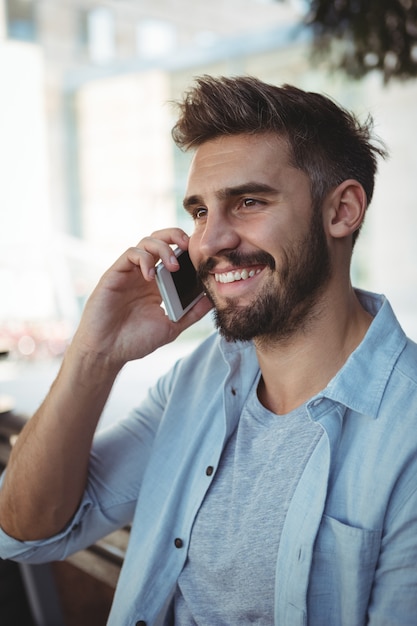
<point>296,369</point>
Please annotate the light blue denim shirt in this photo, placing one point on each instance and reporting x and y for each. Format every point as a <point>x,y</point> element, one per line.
<point>348,550</point>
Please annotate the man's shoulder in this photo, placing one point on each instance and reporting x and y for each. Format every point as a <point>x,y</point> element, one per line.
<point>215,359</point>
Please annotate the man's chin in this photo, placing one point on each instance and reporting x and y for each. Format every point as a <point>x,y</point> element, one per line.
<point>232,326</point>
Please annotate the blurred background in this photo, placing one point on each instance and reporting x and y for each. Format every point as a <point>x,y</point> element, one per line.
<point>88,167</point>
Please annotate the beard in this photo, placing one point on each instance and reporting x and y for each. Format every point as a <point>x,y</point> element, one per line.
<point>285,304</point>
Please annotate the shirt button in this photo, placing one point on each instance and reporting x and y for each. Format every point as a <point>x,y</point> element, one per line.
<point>178,542</point>
<point>209,470</point>
<point>140,623</point>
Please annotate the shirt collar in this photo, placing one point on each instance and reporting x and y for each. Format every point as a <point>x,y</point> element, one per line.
<point>361,382</point>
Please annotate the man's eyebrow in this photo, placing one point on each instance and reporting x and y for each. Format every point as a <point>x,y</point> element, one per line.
<point>191,201</point>
<point>244,189</point>
<point>231,192</point>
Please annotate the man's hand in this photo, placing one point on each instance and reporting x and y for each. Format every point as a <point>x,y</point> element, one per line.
<point>123,319</point>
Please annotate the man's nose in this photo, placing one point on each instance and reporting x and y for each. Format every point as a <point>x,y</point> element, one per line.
<point>219,234</point>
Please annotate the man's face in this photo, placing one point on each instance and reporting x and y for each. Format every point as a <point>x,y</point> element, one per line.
<point>260,248</point>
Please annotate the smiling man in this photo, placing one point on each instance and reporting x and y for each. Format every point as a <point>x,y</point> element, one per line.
<point>270,477</point>
<point>273,244</point>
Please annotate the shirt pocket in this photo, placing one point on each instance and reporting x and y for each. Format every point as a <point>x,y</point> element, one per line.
<point>343,566</point>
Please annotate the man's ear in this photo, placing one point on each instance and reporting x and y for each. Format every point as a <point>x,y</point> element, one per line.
<point>347,206</point>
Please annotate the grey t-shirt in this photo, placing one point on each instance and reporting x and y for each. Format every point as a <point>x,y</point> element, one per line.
<point>229,575</point>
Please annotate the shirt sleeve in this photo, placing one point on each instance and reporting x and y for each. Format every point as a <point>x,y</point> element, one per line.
<point>118,460</point>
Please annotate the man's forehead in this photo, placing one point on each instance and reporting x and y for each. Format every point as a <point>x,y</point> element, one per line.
<point>237,160</point>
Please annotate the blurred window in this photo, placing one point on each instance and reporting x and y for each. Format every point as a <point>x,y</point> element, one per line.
<point>20,17</point>
<point>82,34</point>
<point>155,38</point>
<point>96,34</point>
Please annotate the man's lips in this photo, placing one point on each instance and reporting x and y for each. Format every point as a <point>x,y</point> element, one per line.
<point>232,276</point>
<point>235,266</point>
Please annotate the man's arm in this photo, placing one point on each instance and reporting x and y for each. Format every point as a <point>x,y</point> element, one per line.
<point>122,321</point>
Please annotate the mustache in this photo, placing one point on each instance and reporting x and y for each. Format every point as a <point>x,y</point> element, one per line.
<point>237,259</point>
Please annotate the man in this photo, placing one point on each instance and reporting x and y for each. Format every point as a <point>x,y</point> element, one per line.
<point>271,476</point>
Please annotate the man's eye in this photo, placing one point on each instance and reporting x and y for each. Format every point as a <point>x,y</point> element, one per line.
<point>249,202</point>
<point>199,213</point>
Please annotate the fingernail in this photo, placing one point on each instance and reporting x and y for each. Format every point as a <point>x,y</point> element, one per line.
<point>151,272</point>
<point>174,260</point>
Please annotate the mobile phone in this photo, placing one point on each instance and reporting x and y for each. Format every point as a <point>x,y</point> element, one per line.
<point>180,290</point>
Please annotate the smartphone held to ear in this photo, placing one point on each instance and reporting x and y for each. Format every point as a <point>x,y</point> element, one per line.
<point>180,290</point>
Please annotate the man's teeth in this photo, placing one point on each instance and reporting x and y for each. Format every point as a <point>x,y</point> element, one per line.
<point>230,277</point>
